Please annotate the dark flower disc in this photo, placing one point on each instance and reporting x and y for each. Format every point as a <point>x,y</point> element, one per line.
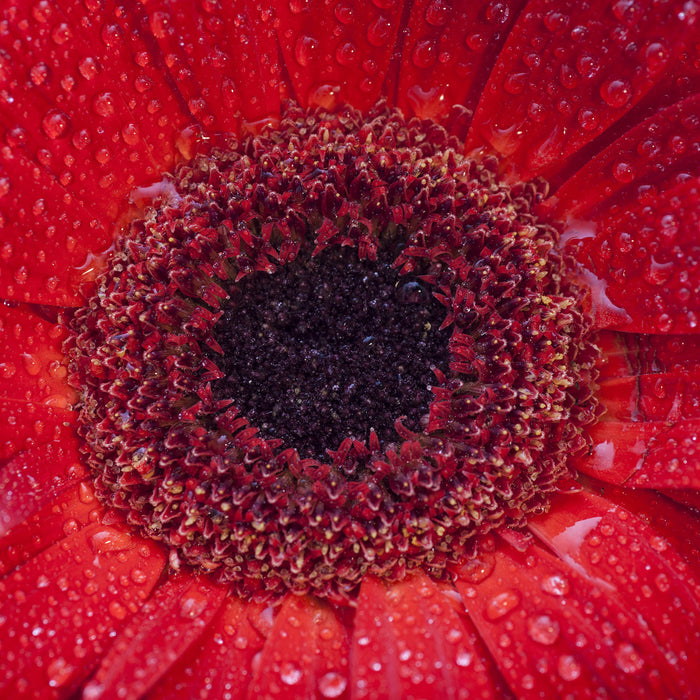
<point>335,348</point>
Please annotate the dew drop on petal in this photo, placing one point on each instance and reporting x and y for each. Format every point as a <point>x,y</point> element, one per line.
<point>437,13</point>
<point>305,50</point>
<point>332,684</point>
<point>616,93</point>
<point>296,7</point>
<point>568,668</point>
<point>543,629</point>
<point>103,104</point>
<point>463,658</point>
<point>290,673</point>
<point>193,605</point>
<point>628,658</point>
<point>501,604</point>
<point>555,585</point>
<point>346,54</point>
<point>424,54</point>
<point>88,67</point>
<point>379,31</point>
<point>55,124</point>
<point>109,540</point>
<point>59,672</point>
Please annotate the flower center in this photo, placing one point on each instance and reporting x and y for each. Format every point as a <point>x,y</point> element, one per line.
<point>330,347</point>
<point>335,348</point>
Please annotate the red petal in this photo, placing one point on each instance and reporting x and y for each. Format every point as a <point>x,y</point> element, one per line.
<point>631,354</point>
<point>642,265</point>
<point>611,545</point>
<point>60,610</point>
<point>650,455</point>
<point>26,425</point>
<point>32,368</point>
<point>409,642</point>
<point>633,218</point>
<point>448,53</point>
<point>33,478</point>
<point>156,637</point>
<point>89,103</point>
<point>306,654</point>
<point>678,524</point>
<point>47,235</point>
<point>666,396</point>
<point>67,513</point>
<point>567,72</point>
<point>337,52</point>
<point>554,633</point>
<point>223,58</point>
<point>220,666</point>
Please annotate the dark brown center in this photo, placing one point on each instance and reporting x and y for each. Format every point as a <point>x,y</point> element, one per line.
<point>331,347</point>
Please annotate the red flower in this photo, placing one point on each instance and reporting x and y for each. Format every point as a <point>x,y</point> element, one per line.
<point>596,597</point>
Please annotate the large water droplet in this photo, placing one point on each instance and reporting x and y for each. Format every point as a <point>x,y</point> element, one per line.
<point>555,585</point>
<point>379,31</point>
<point>290,673</point>
<point>568,668</point>
<point>501,604</point>
<point>628,658</point>
<point>55,124</point>
<point>332,684</point>
<point>543,629</point>
<point>305,50</point>
<point>616,93</point>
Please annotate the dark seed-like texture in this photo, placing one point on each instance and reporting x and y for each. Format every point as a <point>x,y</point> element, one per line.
<point>330,347</point>
<point>189,467</point>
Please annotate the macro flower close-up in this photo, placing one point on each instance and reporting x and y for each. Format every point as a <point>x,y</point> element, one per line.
<point>349,349</point>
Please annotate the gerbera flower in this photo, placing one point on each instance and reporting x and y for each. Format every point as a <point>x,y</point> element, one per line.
<point>493,493</point>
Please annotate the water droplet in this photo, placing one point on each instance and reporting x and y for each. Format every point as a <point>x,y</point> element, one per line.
<point>379,31</point>
<point>346,54</point>
<point>40,74</point>
<point>130,134</point>
<point>424,54</point>
<point>623,172</point>
<point>290,673</point>
<point>332,684</point>
<point>556,22</point>
<point>501,604</point>
<point>88,67</point>
<point>616,93</point>
<point>61,33</point>
<point>55,124</point>
<point>628,658</point>
<point>555,585</point>
<point>103,104</point>
<point>305,50</point>
<point>664,323</point>
<point>296,7</point>
<point>117,610</point>
<point>193,604</point>
<point>59,672</point>
<point>437,13</point>
<point>515,83</point>
<point>497,12</point>
<point>110,540</point>
<point>568,668</point>
<point>413,293</point>
<point>344,13</point>
<point>463,658</point>
<point>588,119</point>
<point>543,629</point>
